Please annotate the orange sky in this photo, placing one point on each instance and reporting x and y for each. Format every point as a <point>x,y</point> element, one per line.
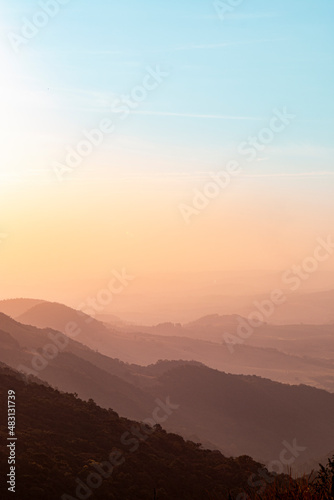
<point>65,239</point>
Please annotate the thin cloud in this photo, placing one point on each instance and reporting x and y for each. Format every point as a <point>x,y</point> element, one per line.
<point>194,115</point>
<point>225,44</point>
<point>237,16</point>
<point>253,15</point>
<point>155,50</point>
<point>179,48</point>
<point>292,174</point>
<point>308,150</point>
<point>205,46</point>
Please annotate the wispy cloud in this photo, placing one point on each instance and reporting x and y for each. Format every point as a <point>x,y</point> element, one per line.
<point>292,174</point>
<point>179,48</point>
<point>239,15</point>
<point>206,46</point>
<point>220,45</point>
<point>253,15</point>
<point>195,115</point>
<point>199,175</point>
<point>304,150</point>
<point>132,52</point>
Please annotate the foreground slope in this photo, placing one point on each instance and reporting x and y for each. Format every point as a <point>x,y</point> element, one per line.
<point>63,440</point>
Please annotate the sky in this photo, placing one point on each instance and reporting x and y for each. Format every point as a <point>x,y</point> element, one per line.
<point>182,90</point>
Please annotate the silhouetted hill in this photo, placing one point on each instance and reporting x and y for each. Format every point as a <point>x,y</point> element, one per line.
<point>251,412</point>
<point>58,316</point>
<point>62,440</point>
<point>73,367</point>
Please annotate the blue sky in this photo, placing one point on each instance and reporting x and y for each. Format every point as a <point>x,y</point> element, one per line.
<point>226,77</point>
<point>121,206</point>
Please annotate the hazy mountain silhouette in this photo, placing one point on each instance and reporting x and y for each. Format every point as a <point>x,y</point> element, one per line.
<point>15,307</point>
<point>257,355</point>
<point>238,414</point>
<point>75,368</point>
<point>301,340</point>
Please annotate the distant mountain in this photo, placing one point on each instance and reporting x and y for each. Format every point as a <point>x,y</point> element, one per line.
<point>237,414</point>
<point>257,355</point>
<point>67,447</point>
<point>308,308</point>
<point>214,320</point>
<point>74,367</point>
<point>210,327</point>
<point>314,341</point>
<point>62,318</point>
<point>15,307</point>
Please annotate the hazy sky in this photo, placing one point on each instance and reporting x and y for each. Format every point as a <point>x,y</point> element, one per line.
<point>201,88</point>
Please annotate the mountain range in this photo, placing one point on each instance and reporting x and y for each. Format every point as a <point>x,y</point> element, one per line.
<point>289,354</point>
<point>237,414</point>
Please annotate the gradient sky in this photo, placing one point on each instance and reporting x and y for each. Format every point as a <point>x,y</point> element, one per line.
<point>120,207</point>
